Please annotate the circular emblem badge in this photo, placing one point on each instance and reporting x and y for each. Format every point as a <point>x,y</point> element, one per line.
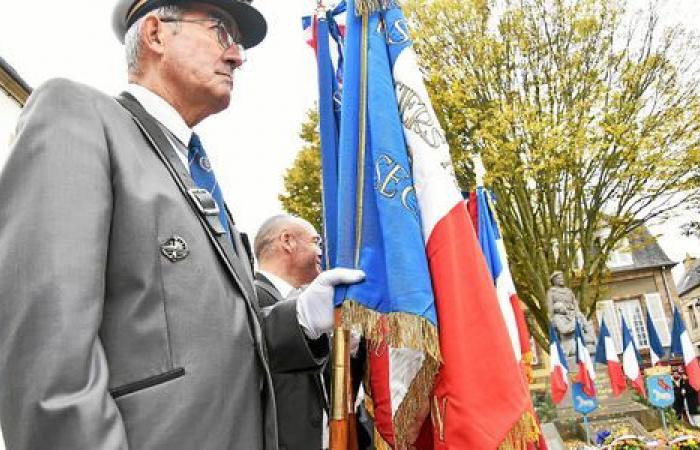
<point>204,163</point>
<point>175,249</point>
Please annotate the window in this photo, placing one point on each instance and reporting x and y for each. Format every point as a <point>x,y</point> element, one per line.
<point>692,319</point>
<point>658,317</point>
<point>631,310</point>
<point>620,255</point>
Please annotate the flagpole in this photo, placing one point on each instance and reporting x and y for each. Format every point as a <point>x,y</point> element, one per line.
<point>342,432</point>
<point>588,434</point>
<point>663,421</point>
<point>339,433</point>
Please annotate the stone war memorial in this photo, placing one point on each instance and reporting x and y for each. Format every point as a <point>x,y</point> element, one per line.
<point>610,411</point>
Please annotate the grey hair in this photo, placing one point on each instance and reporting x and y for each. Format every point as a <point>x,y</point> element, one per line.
<point>132,42</point>
<point>268,232</point>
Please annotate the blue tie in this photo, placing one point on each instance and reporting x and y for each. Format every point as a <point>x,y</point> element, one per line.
<point>203,175</point>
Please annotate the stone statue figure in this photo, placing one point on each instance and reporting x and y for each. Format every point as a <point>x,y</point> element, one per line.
<point>563,313</point>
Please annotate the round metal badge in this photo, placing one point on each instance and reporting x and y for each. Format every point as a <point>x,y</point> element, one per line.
<point>175,249</point>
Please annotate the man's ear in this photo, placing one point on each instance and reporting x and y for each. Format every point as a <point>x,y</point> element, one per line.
<point>287,241</point>
<point>152,35</point>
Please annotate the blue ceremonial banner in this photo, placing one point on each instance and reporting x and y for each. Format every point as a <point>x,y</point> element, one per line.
<point>659,386</point>
<point>329,111</point>
<point>583,403</point>
<point>379,229</point>
<point>656,350</point>
<point>488,233</point>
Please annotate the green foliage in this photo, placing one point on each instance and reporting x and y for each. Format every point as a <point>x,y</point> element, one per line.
<point>544,406</point>
<point>302,181</point>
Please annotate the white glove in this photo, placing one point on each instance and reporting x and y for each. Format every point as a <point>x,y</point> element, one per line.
<point>315,304</point>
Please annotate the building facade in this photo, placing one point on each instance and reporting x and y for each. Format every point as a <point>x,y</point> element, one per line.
<point>13,94</point>
<point>639,280</point>
<point>689,293</point>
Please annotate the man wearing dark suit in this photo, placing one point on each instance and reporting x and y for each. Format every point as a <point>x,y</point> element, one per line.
<point>288,252</point>
<point>128,317</point>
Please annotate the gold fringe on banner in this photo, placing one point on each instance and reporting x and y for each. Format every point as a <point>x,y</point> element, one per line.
<point>399,330</point>
<point>527,367</point>
<point>524,432</point>
<point>417,400</point>
<point>372,6</point>
<point>379,442</point>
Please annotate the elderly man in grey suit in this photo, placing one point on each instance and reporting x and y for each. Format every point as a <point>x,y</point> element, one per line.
<point>128,317</point>
<point>288,251</point>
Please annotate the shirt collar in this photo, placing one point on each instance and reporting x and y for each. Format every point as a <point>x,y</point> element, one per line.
<point>162,111</point>
<point>282,286</point>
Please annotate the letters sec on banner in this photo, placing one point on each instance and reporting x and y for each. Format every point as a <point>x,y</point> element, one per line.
<point>393,181</point>
<point>397,33</point>
<point>659,386</point>
<point>582,403</point>
<point>416,116</point>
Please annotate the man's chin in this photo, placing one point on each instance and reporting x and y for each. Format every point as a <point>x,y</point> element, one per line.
<point>221,102</point>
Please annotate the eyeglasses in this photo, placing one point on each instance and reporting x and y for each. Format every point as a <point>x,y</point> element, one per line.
<point>225,38</point>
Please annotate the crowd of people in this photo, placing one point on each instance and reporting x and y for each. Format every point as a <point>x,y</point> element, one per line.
<point>685,402</point>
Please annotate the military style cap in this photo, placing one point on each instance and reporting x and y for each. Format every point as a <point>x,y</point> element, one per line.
<point>250,22</point>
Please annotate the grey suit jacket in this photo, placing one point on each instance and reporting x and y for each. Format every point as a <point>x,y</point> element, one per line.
<point>299,395</point>
<point>104,342</point>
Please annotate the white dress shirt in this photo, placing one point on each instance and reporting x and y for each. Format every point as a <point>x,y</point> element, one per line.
<point>282,286</point>
<point>164,113</point>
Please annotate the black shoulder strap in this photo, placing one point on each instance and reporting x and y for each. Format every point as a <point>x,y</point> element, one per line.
<point>199,199</point>
<point>249,251</point>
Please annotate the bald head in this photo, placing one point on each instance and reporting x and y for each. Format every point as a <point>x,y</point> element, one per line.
<point>264,241</point>
<point>289,247</point>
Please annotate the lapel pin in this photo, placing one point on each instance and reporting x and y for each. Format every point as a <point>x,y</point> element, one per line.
<point>175,249</point>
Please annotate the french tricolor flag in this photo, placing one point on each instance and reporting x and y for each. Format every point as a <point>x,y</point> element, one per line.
<point>605,354</point>
<point>559,370</point>
<point>630,360</point>
<point>586,372</point>
<point>309,24</point>
<point>656,350</point>
<point>486,227</point>
<point>682,346</point>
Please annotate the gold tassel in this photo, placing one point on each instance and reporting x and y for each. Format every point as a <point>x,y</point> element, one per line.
<point>527,367</point>
<point>419,391</point>
<point>379,442</point>
<point>524,432</point>
<point>372,6</point>
<point>399,330</point>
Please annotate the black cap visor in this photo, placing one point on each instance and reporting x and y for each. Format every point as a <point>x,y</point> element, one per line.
<point>251,23</point>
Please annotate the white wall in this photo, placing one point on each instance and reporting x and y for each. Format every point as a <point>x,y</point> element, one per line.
<point>9,112</point>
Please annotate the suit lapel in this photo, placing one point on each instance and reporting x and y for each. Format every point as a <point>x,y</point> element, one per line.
<point>163,147</point>
<point>265,284</point>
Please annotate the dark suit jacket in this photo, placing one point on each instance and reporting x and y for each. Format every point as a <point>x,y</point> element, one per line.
<point>104,342</point>
<point>298,392</point>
